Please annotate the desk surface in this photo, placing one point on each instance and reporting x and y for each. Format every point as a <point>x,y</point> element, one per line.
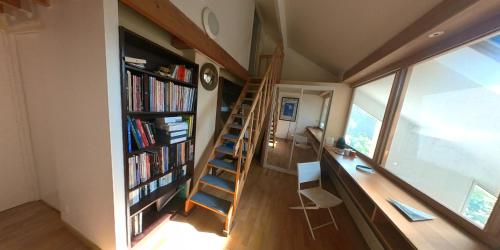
<point>433,234</point>
<point>316,132</point>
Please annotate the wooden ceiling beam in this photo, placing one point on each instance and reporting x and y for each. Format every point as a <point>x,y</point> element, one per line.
<point>170,18</point>
<point>436,16</point>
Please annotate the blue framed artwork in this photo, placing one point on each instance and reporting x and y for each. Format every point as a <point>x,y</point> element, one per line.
<point>289,108</point>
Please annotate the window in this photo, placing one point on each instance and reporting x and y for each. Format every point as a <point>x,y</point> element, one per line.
<point>324,112</point>
<point>367,112</point>
<point>446,143</point>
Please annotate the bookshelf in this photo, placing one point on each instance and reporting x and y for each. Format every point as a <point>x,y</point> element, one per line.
<point>159,128</point>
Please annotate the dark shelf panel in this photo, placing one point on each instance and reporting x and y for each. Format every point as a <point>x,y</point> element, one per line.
<point>157,194</point>
<point>156,146</point>
<point>154,219</point>
<point>161,77</point>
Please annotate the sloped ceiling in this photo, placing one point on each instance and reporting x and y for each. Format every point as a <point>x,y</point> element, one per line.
<point>342,35</point>
<point>337,34</point>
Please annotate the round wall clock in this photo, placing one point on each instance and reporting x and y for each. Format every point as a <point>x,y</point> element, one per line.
<point>209,76</point>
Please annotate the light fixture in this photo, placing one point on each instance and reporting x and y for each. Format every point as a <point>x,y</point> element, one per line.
<point>210,22</point>
<point>435,34</point>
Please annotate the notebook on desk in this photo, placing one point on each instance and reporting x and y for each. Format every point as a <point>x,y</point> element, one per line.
<point>410,213</point>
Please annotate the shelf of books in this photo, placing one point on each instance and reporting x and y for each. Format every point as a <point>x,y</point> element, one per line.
<point>159,125</point>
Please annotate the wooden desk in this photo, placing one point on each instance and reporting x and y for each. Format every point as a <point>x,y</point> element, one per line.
<point>370,193</point>
<point>314,136</point>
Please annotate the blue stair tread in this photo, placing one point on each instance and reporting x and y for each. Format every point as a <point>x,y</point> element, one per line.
<point>237,126</point>
<point>223,164</point>
<point>218,182</point>
<point>225,149</point>
<point>230,136</point>
<point>220,205</point>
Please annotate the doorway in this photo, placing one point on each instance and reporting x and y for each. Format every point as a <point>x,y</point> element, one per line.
<point>295,132</point>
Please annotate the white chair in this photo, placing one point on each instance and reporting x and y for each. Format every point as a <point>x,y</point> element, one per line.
<point>308,172</point>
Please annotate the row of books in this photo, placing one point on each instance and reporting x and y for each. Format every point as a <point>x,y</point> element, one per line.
<point>137,195</point>
<point>182,73</point>
<point>148,94</point>
<point>144,166</point>
<point>142,132</point>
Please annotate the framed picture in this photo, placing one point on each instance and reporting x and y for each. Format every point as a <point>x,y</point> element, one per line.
<point>289,108</point>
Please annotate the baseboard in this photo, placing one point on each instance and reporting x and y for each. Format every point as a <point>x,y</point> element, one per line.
<point>75,232</point>
<point>81,237</point>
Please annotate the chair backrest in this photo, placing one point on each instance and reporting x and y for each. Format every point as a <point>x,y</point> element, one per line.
<point>308,171</point>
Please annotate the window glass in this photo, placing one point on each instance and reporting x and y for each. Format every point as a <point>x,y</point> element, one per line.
<point>367,112</point>
<point>447,139</point>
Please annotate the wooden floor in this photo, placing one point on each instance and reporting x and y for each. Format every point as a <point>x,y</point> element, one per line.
<point>263,221</point>
<point>35,225</point>
<point>279,155</point>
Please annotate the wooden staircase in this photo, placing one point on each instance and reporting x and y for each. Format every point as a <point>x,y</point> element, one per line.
<point>220,184</point>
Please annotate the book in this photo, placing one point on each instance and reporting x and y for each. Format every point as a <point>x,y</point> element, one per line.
<point>133,60</point>
<point>365,169</point>
<point>178,133</point>
<point>178,139</point>
<point>172,119</point>
<point>410,213</point>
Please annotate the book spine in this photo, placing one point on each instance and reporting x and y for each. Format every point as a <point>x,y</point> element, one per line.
<point>142,133</point>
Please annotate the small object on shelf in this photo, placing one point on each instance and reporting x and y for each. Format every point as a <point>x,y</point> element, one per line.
<point>164,71</point>
<point>340,143</point>
<point>347,152</point>
<point>410,213</point>
<point>353,153</point>
<point>365,169</point>
<point>339,151</point>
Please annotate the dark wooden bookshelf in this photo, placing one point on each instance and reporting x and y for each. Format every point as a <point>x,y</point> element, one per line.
<point>134,45</point>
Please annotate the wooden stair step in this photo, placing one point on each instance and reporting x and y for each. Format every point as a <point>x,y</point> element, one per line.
<point>229,150</point>
<point>248,99</point>
<point>232,137</point>
<point>218,183</point>
<point>236,126</point>
<point>252,91</point>
<point>223,165</point>
<point>212,203</point>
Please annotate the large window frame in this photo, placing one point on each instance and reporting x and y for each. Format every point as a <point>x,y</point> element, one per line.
<point>490,234</point>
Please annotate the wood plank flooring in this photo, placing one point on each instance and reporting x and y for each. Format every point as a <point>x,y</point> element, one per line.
<point>35,225</point>
<point>279,156</point>
<point>263,221</point>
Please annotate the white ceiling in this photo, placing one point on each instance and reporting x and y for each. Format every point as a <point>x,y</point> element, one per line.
<point>339,33</point>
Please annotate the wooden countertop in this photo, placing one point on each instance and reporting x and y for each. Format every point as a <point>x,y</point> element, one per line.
<point>433,234</point>
<point>316,132</point>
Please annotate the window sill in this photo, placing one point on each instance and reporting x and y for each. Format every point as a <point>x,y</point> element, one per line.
<point>370,193</point>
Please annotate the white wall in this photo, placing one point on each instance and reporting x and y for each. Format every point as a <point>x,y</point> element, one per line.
<point>235,23</point>
<point>68,67</point>
<point>308,114</point>
<point>19,183</point>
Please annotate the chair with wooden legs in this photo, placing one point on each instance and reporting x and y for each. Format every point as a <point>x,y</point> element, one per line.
<point>320,198</point>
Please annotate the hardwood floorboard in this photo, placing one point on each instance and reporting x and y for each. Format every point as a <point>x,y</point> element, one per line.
<point>34,225</point>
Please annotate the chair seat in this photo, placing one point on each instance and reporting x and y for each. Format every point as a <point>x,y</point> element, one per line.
<point>321,197</point>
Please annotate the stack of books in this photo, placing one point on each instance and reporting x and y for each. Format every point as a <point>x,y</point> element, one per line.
<point>174,128</point>
<point>143,133</point>
<point>136,62</point>
<point>136,195</point>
